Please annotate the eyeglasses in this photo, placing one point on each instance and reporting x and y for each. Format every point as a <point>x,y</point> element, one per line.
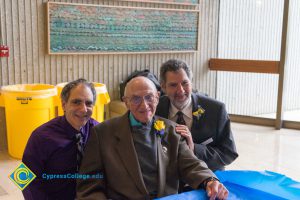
<point>137,100</point>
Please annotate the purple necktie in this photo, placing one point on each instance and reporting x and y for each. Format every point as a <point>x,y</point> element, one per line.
<point>79,144</point>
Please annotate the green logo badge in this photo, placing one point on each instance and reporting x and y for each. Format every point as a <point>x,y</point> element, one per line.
<point>22,176</point>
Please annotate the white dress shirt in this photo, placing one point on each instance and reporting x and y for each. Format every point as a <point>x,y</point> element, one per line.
<point>187,114</point>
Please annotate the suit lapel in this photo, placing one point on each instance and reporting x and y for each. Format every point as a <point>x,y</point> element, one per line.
<point>163,160</point>
<point>195,103</point>
<point>200,127</point>
<point>128,155</point>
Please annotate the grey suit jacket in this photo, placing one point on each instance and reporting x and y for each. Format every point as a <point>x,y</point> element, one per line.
<point>110,150</point>
<point>212,136</point>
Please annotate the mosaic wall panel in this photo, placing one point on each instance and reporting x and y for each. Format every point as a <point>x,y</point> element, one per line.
<point>186,2</point>
<point>92,29</point>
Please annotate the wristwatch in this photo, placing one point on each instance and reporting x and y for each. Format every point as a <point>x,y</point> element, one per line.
<point>204,183</point>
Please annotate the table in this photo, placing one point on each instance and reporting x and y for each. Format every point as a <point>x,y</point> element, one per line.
<point>249,185</point>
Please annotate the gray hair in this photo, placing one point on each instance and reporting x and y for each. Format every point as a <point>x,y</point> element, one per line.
<point>174,65</point>
<point>65,93</point>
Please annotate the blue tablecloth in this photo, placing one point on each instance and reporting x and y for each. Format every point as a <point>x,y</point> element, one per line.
<point>249,185</point>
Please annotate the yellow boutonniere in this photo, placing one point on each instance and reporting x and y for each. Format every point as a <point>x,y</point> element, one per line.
<point>159,127</point>
<point>198,113</point>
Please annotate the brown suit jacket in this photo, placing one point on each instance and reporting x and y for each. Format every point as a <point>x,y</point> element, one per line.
<point>110,150</point>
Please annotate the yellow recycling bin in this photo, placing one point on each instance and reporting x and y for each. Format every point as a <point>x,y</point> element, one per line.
<point>59,87</point>
<point>27,106</point>
<point>102,99</point>
<point>1,100</point>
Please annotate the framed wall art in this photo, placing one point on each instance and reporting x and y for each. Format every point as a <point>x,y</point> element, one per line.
<point>179,2</point>
<point>98,29</point>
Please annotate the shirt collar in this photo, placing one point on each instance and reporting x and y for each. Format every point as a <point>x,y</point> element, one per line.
<point>133,121</point>
<point>187,110</point>
<point>71,131</point>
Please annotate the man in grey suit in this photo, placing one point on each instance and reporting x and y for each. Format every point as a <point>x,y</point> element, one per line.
<point>140,155</point>
<point>204,121</point>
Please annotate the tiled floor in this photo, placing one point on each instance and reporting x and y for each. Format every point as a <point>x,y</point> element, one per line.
<point>7,165</point>
<point>264,148</point>
<point>260,148</point>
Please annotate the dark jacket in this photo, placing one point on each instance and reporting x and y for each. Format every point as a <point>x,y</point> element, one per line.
<point>211,132</point>
<point>111,151</point>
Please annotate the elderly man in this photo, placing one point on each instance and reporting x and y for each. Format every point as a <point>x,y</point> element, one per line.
<point>56,147</point>
<point>140,155</point>
<point>204,121</point>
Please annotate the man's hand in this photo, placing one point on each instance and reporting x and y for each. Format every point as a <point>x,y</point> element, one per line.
<point>216,190</point>
<point>185,132</point>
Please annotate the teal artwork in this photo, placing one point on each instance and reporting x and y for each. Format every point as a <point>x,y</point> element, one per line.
<point>78,28</point>
<point>170,1</point>
<point>179,1</point>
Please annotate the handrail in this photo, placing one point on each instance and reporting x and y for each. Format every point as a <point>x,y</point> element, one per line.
<point>236,65</point>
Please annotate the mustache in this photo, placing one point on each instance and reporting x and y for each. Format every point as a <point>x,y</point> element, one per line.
<point>180,95</point>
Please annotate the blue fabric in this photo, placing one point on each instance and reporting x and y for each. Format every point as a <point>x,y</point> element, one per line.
<point>249,185</point>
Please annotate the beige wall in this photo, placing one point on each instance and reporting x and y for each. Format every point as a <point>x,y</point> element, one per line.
<point>23,30</point>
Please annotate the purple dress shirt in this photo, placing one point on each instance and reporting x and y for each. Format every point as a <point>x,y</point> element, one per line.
<point>52,149</point>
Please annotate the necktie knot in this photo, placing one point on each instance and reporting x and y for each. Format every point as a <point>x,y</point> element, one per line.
<point>180,119</point>
<point>78,137</point>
